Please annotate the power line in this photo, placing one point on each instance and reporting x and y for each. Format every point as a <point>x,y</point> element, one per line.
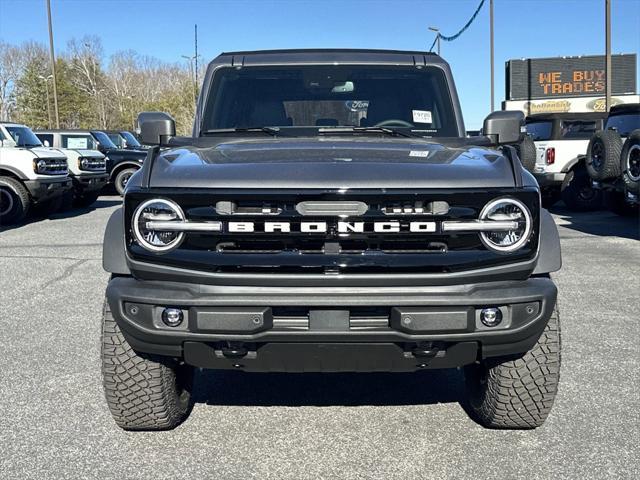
<point>462,30</point>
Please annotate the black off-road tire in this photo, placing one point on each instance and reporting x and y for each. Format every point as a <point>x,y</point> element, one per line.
<point>87,199</point>
<point>526,149</point>
<point>615,202</point>
<point>67,201</point>
<point>630,162</point>
<point>122,177</point>
<point>143,392</point>
<point>603,155</point>
<point>14,201</point>
<point>517,393</point>
<point>579,195</point>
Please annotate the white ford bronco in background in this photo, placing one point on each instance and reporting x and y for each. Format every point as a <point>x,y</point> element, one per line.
<point>561,141</point>
<point>30,174</point>
<point>87,166</point>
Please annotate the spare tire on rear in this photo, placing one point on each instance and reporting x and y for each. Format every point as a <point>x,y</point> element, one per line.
<point>630,162</point>
<point>526,149</point>
<point>603,155</point>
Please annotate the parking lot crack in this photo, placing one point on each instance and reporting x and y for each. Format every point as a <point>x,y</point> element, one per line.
<point>66,273</point>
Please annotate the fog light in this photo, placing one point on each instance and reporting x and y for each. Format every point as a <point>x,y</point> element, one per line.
<point>172,317</point>
<point>491,316</point>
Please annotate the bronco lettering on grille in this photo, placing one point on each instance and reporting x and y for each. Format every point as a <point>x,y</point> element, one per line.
<point>324,227</point>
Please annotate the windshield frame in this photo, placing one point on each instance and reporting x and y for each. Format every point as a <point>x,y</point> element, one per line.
<point>448,95</point>
<point>11,128</point>
<point>129,139</point>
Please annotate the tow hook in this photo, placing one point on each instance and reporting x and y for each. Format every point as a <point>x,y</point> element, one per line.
<point>234,350</point>
<point>426,350</point>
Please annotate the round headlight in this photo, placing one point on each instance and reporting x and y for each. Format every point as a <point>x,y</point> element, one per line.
<point>148,220</point>
<point>42,165</point>
<point>506,210</point>
<point>84,162</point>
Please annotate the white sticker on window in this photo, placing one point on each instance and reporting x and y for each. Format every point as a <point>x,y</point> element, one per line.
<point>422,116</point>
<point>419,153</point>
<point>76,143</point>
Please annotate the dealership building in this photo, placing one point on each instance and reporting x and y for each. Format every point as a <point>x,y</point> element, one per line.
<point>568,84</point>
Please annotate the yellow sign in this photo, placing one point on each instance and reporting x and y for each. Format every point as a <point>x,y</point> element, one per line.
<point>579,82</point>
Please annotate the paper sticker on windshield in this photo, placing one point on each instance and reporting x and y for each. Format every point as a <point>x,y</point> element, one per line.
<point>421,116</point>
<point>419,153</point>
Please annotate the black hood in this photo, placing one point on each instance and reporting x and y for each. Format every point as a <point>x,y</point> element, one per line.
<point>331,163</point>
<point>125,154</point>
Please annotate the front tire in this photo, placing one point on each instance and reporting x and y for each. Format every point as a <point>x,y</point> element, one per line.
<point>14,201</point>
<point>579,194</point>
<point>143,392</point>
<point>123,176</point>
<point>517,393</point>
<point>87,199</point>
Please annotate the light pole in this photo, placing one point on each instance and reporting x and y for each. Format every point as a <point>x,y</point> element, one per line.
<point>607,47</point>
<point>53,64</point>
<point>491,54</point>
<point>46,86</point>
<point>437,30</point>
<point>191,59</point>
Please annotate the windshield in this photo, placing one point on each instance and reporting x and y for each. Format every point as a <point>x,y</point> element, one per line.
<point>81,141</point>
<point>540,130</point>
<point>23,136</point>
<point>404,98</point>
<point>130,139</point>
<point>103,139</point>
<point>625,123</point>
<point>117,140</point>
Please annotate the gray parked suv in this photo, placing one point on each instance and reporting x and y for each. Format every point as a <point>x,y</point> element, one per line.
<point>330,215</point>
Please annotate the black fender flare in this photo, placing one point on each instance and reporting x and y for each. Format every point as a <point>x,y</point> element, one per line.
<point>114,259</point>
<point>549,257</point>
<point>14,171</point>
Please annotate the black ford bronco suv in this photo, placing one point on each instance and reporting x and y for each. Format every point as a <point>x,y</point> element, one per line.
<point>328,214</point>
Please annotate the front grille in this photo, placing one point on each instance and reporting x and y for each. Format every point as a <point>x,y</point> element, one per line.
<point>55,166</point>
<point>95,164</point>
<point>331,250</point>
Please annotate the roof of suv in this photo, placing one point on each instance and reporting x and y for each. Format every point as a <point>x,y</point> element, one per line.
<point>329,55</point>
<point>625,108</point>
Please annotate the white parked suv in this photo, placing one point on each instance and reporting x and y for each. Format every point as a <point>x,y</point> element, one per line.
<point>30,174</point>
<point>561,141</point>
<point>87,166</point>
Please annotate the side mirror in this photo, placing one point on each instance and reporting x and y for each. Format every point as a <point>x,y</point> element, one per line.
<point>46,143</point>
<point>156,128</point>
<point>504,127</point>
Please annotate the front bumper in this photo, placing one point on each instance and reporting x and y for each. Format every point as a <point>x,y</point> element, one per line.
<point>331,328</point>
<point>44,189</point>
<point>88,182</point>
<point>550,179</point>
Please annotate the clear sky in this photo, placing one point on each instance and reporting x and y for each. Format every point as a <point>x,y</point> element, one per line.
<point>164,29</point>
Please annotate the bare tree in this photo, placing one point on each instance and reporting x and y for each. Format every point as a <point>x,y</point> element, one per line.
<point>86,57</point>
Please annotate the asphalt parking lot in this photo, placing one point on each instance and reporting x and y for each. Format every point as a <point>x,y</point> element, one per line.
<point>54,420</point>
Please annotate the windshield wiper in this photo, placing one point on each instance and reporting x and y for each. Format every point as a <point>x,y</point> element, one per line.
<point>270,130</point>
<point>354,129</point>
